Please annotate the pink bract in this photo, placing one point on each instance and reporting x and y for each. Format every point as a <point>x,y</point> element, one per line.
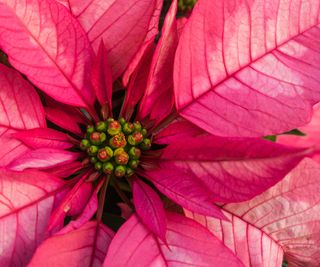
<point>231,75</point>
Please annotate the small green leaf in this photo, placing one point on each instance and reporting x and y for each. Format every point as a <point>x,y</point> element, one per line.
<point>272,138</point>
<point>295,132</point>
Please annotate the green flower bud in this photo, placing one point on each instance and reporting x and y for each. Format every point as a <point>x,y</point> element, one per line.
<point>129,172</point>
<point>120,171</point>
<point>146,144</point>
<point>133,164</point>
<point>92,150</point>
<point>107,167</point>
<point>121,158</point>
<point>84,144</point>
<point>93,159</point>
<point>144,132</point>
<point>134,153</point>
<point>114,128</point>
<point>122,121</point>
<point>101,126</point>
<point>119,140</point>
<point>104,154</point>
<point>97,138</point>
<point>98,166</point>
<point>137,126</point>
<point>128,128</point>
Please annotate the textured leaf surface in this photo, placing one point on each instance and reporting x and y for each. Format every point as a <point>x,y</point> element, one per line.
<point>26,201</point>
<point>157,101</point>
<point>20,109</point>
<point>47,44</point>
<point>86,247</point>
<point>231,169</point>
<point>43,158</point>
<point>249,68</point>
<point>44,137</point>
<point>121,24</point>
<point>283,220</point>
<point>188,244</point>
<point>311,138</point>
<point>149,208</point>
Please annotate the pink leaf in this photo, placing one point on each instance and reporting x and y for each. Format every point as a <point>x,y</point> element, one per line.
<point>108,21</point>
<point>20,109</point>
<point>47,44</point>
<point>74,202</point>
<point>138,81</point>
<point>178,130</point>
<point>232,169</point>
<point>85,247</point>
<point>157,101</point>
<point>65,120</point>
<point>101,77</point>
<point>150,37</point>
<point>43,158</point>
<point>249,68</point>
<point>26,201</point>
<point>312,137</point>
<point>188,244</point>
<point>285,220</point>
<point>44,138</point>
<point>149,208</point>
<point>184,189</point>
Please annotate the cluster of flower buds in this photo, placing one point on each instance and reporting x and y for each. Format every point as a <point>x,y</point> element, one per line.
<point>114,146</point>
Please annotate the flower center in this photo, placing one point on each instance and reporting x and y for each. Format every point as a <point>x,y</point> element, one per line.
<point>115,147</point>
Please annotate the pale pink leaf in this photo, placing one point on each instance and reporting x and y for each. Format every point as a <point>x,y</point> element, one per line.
<point>149,208</point>
<point>45,42</point>
<point>20,109</point>
<point>85,247</point>
<point>188,244</point>
<point>44,138</point>
<point>157,101</point>
<point>26,201</point>
<point>285,220</point>
<point>249,68</point>
<point>122,24</point>
<point>43,158</point>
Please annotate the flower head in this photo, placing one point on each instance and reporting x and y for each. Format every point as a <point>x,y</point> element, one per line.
<point>178,127</point>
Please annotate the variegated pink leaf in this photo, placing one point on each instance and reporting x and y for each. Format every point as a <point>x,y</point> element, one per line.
<point>285,220</point>
<point>26,201</point>
<point>43,158</point>
<point>45,42</point>
<point>107,20</point>
<point>44,138</point>
<point>230,169</point>
<point>85,247</point>
<point>249,68</point>
<point>157,102</point>
<point>149,208</point>
<point>20,109</point>
<point>188,244</point>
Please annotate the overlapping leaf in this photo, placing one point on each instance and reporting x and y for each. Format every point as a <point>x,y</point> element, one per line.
<point>26,201</point>
<point>45,42</point>
<point>285,220</point>
<point>188,244</point>
<point>86,246</point>
<point>249,68</point>
<point>20,109</point>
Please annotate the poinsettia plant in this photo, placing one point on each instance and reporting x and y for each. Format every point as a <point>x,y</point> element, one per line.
<point>98,112</point>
